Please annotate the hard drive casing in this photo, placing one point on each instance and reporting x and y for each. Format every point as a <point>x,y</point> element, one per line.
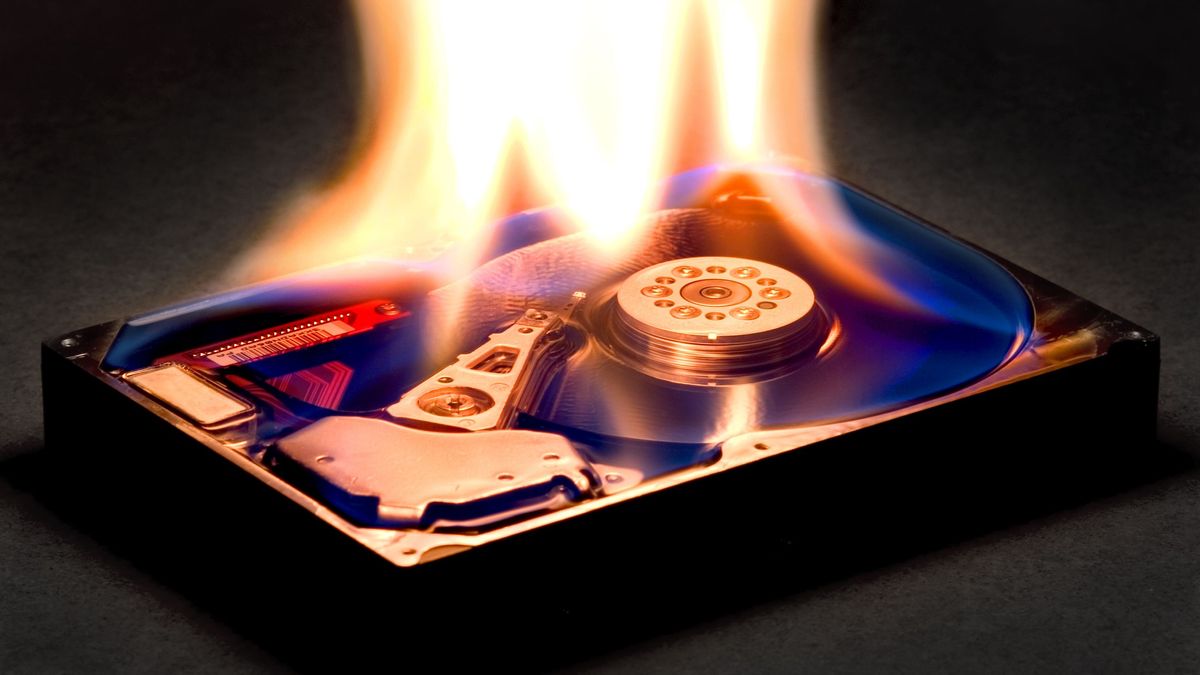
<point>1022,441</point>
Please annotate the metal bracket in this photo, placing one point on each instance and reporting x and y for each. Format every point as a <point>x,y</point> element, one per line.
<point>482,390</point>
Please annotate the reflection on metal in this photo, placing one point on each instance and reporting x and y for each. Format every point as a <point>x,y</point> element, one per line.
<point>707,320</point>
<point>391,475</point>
<point>197,398</point>
<point>483,389</point>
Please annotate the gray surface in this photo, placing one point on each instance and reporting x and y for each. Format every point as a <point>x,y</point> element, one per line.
<point>141,145</point>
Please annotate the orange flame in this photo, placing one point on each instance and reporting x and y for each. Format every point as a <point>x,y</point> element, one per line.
<point>474,110</point>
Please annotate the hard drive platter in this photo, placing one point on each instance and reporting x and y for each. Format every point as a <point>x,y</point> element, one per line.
<point>425,411</point>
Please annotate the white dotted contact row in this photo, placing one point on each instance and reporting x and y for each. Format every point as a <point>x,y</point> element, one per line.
<point>274,333</point>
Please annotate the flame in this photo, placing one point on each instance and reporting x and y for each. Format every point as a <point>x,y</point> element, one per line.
<point>474,110</point>
<point>738,31</point>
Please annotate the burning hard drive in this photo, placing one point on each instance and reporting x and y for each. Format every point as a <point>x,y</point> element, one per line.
<point>766,335</point>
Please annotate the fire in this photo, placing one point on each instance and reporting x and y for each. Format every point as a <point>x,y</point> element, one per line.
<point>474,110</point>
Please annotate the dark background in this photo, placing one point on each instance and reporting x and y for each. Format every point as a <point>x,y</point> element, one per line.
<point>142,144</point>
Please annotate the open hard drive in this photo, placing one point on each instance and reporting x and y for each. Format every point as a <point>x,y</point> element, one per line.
<point>761,316</point>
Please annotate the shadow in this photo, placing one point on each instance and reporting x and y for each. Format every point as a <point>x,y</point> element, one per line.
<point>317,604</point>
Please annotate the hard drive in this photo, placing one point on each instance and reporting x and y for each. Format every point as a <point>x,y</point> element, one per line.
<point>778,367</point>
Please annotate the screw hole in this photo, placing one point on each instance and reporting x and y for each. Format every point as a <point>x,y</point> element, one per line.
<point>505,476</point>
<point>761,446</point>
